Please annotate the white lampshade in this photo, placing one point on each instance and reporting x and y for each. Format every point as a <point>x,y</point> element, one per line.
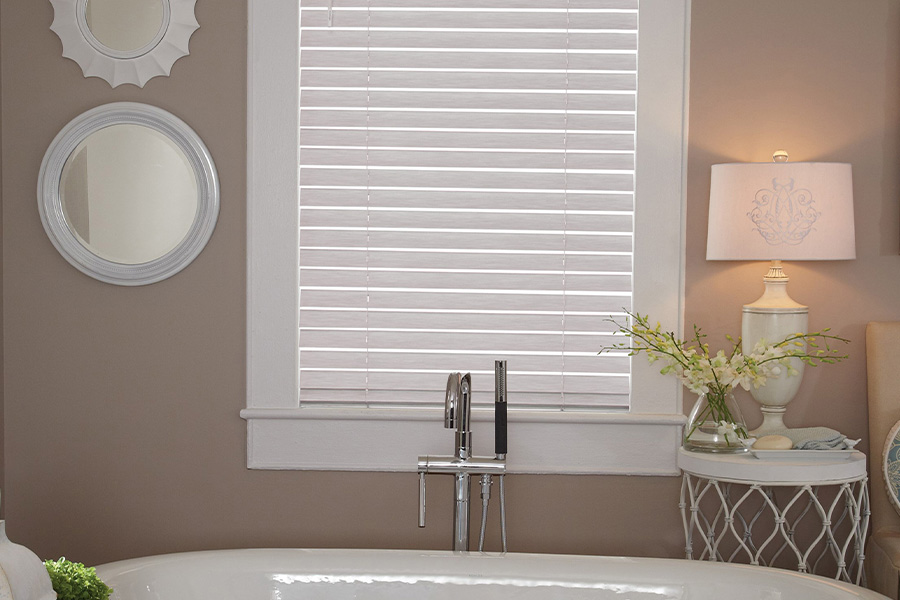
<point>781,211</point>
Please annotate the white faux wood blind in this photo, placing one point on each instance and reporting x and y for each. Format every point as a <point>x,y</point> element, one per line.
<point>466,195</point>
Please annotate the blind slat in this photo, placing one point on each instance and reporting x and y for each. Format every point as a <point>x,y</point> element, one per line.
<point>386,59</point>
<point>463,179</point>
<point>436,362</point>
<point>477,4</point>
<point>497,160</point>
<point>472,202</point>
<point>523,121</point>
<point>331,319</point>
<point>398,259</point>
<point>375,342</point>
<point>603,400</point>
<point>425,383</point>
<point>433,99</point>
<point>458,302</point>
<point>454,281</point>
<point>621,140</point>
<point>451,40</point>
<point>440,221</point>
<point>433,19</point>
<point>468,240</point>
<point>437,80</point>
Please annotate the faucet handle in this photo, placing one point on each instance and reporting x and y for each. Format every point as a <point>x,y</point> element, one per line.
<point>421,498</point>
<point>451,401</point>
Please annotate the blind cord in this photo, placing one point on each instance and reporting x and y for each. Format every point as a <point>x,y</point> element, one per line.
<point>565,257</point>
<point>368,181</point>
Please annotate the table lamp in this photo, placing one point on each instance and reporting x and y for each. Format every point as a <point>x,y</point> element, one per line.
<point>779,211</point>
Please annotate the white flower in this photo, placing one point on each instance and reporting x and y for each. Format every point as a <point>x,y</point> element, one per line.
<point>690,361</point>
<point>716,375</point>
<point>725,428</point>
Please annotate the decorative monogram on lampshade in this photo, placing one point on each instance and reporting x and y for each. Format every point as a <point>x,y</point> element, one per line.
<point>781,211</point>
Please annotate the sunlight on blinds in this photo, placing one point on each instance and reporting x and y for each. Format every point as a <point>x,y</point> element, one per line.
<point>466,195</point>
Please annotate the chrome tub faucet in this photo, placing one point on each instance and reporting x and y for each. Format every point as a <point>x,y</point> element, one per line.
<point>462,465</point>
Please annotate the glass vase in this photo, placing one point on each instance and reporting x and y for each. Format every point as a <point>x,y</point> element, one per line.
<point>716,424</point>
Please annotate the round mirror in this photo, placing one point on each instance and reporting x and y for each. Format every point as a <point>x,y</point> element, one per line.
<point>124,41</point>
<point>128,193</point>
<point>126,26</point>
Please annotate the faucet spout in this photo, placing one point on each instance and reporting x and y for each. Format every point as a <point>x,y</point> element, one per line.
<point>458,412</point>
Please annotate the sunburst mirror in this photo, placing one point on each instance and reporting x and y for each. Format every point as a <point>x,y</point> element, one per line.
<point>124,41</point>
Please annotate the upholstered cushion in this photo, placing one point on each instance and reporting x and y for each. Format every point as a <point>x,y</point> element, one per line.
<point>883,562</point>
<point>883,550</point>
<point>882,352</point>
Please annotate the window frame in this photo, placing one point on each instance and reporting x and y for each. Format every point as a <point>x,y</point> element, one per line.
<point>282,435</point>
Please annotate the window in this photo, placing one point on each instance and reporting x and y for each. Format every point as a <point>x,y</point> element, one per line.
<point>385,163</point>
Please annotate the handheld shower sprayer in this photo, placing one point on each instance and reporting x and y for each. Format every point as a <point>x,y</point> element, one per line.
<point>500,408</point>
<point>500,438</point>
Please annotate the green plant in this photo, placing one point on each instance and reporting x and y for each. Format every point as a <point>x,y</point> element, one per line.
<point>717,374</point>
<point>74,581</point>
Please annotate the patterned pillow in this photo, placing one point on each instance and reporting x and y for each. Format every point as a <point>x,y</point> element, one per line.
<point>892,465</point>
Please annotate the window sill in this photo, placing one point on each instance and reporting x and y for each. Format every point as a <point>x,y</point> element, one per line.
<point>342,439</point>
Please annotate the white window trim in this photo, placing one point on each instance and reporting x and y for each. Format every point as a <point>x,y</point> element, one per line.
<point>281,435</point>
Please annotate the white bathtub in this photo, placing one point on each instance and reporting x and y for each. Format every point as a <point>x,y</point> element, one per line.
<point>291,574</point>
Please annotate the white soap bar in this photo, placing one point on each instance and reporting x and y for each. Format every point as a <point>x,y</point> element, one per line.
<point>773,442</point>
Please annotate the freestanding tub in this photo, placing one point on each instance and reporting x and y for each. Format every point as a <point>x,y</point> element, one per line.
<point>292,574</point>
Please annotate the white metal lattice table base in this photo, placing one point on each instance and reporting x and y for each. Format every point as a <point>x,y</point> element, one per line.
<point>808,515</point>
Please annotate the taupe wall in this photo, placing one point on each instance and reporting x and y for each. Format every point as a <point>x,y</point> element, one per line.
<point>122,434</point>
<point>820,79</point>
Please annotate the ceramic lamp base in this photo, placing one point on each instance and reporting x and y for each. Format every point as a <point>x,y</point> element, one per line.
<point>773,422</point>
<point>773,317</point>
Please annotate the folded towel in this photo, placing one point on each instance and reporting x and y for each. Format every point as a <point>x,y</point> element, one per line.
<point>815,438</point>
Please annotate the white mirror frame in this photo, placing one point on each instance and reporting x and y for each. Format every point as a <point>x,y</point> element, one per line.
<point>117,67</point>
<point>66,241</point>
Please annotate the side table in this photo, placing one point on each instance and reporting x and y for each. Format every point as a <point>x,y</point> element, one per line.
<point>808,514</point>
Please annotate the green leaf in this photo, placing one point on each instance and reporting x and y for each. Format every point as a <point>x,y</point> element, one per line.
<point>74,581</point>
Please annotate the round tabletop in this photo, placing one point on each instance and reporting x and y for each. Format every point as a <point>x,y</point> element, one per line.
<point>830,468</point>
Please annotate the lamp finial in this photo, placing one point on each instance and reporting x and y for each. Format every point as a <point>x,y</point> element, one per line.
<point>780,156</point>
